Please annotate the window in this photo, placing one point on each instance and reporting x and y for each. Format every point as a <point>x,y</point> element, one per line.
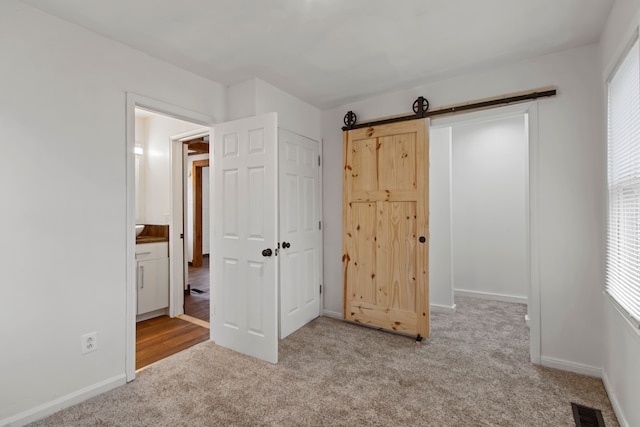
<point>623,237</point>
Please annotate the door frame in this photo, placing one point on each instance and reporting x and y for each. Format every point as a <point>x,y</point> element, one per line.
<point>179,182</point>
<point>134,101</point>
<point>318,202</point>
<point>320,142</point>
<point>196,177</point>
<point>532,198</point>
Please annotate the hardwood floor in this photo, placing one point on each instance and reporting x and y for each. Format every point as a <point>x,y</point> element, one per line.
<point>197,304</point>
<point>163,336</point>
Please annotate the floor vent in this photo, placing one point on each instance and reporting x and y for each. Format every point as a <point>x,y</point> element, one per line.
<point>197,291</point>
<point>587,417</point>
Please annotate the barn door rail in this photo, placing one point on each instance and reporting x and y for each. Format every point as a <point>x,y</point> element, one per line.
<point>421,107</point>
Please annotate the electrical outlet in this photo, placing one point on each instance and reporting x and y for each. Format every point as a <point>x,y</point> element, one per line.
<point>89,342</point>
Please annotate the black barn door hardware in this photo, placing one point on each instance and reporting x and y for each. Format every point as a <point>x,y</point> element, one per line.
<point>421,105</point>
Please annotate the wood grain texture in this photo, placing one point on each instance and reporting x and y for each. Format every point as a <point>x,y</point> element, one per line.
<point>385,211</point>
<point>386,318</point>
<point>362,248</point>
<point>198,304</point>
<point>196,176</point>
<point>163,336</point>
<point>422,229</point>
<point>363,165</point>
<point>397,163</point>
<point>396,266</point>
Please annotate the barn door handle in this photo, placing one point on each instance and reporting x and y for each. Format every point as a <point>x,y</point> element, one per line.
<point>286,245</point>
<point>267,252</point>
<point>422,239</point>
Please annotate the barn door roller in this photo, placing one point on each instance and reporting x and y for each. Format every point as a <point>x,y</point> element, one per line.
<point>421,105</point>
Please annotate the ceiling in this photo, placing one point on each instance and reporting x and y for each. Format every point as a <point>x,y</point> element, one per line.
<point>329,52</point>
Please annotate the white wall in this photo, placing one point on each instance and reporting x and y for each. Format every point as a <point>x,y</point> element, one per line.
<point>63,108</point>
<point>571,178</point>
<point>255,97</point>
<point>140,178</point>
<point>489,201</point>
<point>156,166</point>
<point>440,255</point>
<point>621,370</point>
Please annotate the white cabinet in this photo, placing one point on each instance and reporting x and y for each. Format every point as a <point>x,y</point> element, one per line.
<point>152,276</point>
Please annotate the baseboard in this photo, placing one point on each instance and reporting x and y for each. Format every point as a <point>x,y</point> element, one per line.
<point>565,365</point>
<point>194,320</point>
<point>152,314</point>
<point>487,295</point>
<point>614,401</point>
<point>442,308</point>
<point>63,402</point>
<point>333,314</point>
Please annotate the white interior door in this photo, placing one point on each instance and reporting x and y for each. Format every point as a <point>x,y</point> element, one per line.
<point>244,307</point>
<point>300,237</point>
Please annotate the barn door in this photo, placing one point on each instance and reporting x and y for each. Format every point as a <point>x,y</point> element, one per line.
<point>299,231</point>
<point>244,270</point>
<point>385,227</point>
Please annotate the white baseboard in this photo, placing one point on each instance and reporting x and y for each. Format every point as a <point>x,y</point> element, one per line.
<point>63,402</point>
<point>442,308</point>
<point>333,314</point>
<point>614,401</point>
<point>487,295</point>
<point>152,314</point>
<point>565,365</point>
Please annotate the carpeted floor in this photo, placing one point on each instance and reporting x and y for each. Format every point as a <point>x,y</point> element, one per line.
<point>474,371</point>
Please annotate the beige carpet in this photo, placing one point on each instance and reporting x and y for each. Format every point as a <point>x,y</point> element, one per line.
<point>474,371</point>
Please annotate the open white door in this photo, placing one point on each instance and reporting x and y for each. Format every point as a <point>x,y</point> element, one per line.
<point>244,268</point>
<point>300,234</point>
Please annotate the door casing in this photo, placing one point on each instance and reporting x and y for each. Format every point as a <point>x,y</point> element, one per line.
<point>196,176</point>
<point>134,101</point>
<point>300,230</point>
<point>530,110</point>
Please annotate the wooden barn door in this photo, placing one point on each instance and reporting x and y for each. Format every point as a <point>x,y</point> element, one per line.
<point>385,227</point>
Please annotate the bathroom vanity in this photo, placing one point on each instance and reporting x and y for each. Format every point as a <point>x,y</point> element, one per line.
<point>152,272</point>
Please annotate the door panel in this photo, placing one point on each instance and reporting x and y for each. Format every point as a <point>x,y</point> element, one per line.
<point>299,228</point>
<point>244,217</point>
<point>385,212</point>
<point>396,260</point>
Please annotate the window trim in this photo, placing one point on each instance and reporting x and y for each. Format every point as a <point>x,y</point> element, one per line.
<point>626,313</point>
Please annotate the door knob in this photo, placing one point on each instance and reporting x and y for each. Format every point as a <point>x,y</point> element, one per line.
<point>267,252</point>
<point>286,245</point>
<point>422,239</point>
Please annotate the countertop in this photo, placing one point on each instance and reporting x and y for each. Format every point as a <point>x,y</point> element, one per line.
<point>153,233</point>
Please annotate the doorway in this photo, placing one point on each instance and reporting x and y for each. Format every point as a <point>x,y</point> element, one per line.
<point>197,294</point>
<point>254,145</point>
<point>484,210</point>
<point>152,135</point>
